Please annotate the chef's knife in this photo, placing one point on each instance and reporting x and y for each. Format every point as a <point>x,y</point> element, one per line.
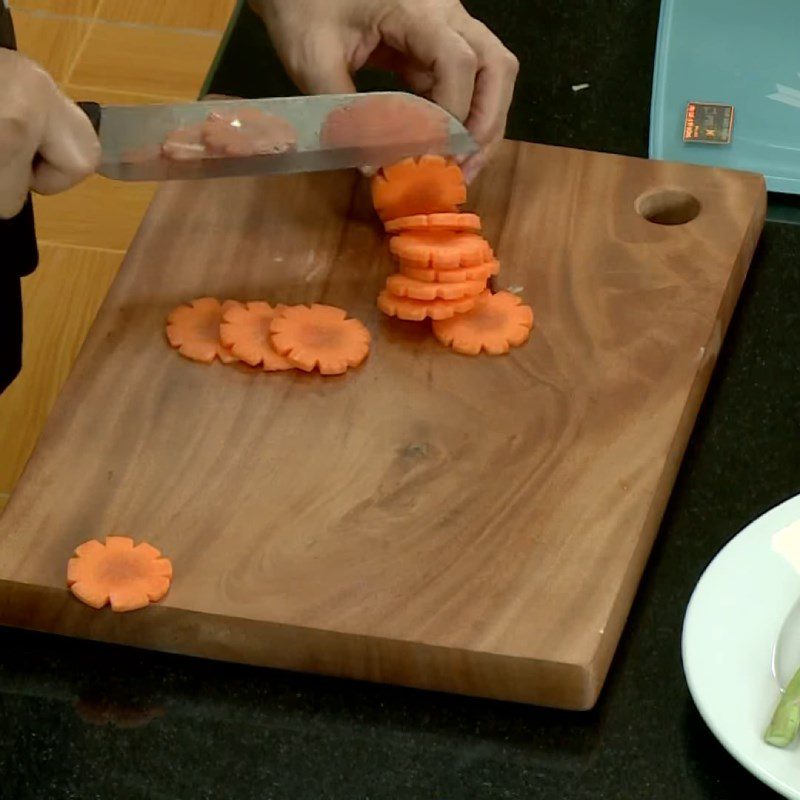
<point>131,138</point>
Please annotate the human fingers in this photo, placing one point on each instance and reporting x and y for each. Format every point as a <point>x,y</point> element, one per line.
<point>69,150</point>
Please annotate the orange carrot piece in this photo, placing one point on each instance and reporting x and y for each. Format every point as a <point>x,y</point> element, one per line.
<point>418,310</point>
<point>118,573</point>
<point>194,330</point>
<point>481,273</point>
<point>429,185</point>
<point>319,337</point>
<point>441,250</point>
<point>495,324</point>
<point>403,286</point>
<point>245,330</point>
<point>433,222</point>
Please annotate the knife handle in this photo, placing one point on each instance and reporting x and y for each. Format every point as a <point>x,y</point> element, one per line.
<point>94,112</point>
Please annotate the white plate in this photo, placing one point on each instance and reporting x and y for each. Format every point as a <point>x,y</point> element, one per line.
<point>731,624</point>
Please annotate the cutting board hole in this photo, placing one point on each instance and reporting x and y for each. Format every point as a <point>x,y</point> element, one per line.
<point>668,206</point>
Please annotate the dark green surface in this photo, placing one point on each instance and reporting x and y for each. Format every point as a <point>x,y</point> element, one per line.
<point>235,732</point>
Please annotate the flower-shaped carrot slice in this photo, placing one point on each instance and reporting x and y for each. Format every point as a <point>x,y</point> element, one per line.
<point>429,185</point>
<point>185,144</point>
<point>495,324</point>
<point>194,330</point>
<point>245,330</point>
<point>481,273</point>
<point>433,222</point>
<point>117,572</point>
<point>247,132</point>
<point>320,337</point>
<point>441,249</point>
<point>403,286</point>
<point>418,310</point>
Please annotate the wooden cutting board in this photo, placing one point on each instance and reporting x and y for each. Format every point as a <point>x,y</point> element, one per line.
<point>476,525</point>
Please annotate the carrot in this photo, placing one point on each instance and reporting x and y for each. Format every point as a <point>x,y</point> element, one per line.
<point>481,273</point>
<point>432,222</point>
<point>441,249</point>
<point>429,185</point>
<point>403,286</point>
<point>117,572</point>
<point>194,330</point>
<point>371,120</point>
<point>319,337</point>
<point>246,330</point>
<point>417,310</point>
<point>496,323</point>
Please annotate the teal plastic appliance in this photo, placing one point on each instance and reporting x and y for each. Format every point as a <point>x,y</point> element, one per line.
<point>744,53</point>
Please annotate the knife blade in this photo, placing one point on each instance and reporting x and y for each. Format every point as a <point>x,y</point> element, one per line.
<point>131,137</point>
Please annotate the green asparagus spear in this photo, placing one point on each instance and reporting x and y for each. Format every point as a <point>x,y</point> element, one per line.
<point>786,719</point>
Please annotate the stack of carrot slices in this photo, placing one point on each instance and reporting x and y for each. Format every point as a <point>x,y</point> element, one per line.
<point>444,263</point>
<point>307,338</point>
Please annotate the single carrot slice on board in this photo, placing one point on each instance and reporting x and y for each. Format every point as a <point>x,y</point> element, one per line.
<point>245,329</point>
<point>319,337</point>
<point>481,273</point>
<point>418,310</point>
<point>433,222</point>
<point>441,249</point>
<point>194,330</point>
<point>403,286</point>
<point>496,323</point>
<point>428,185</point>
<point>116,572</point>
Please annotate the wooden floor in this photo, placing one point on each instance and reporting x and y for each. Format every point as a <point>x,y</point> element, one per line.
<point>112,51</point>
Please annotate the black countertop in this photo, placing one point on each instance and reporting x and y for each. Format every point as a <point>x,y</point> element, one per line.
<point>82,720</point>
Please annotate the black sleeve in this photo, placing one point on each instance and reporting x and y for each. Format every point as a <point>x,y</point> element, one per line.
<point>18,256</point>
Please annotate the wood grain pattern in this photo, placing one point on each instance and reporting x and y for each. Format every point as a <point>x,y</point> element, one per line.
<point>97,213</point>
<point>472,525</point>
<point>160,61</point>
<point>53,43</point>
<point>61,300</point>
<point>204,14</point>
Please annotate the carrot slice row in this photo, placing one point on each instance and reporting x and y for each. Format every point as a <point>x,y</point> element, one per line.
<point>245,330</point>
<point>194,330</point>
<point>118,573</point>
<point>433,222</point>
<point>481,273</point>
<point>418,310</point>
<point>441,250</point>
<point>319,337</point>
<point>495,324</point>
<point>428,185</point>
<point>403,286</point>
